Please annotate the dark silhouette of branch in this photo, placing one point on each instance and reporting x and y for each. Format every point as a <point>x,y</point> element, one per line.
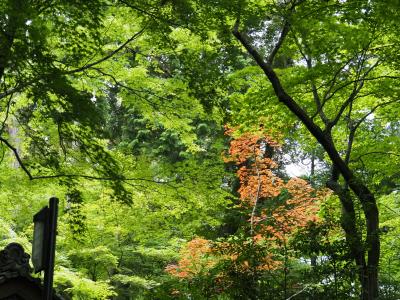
<point>314,89</point>
<point>332,82</point>
<point>90,177</point>
<point>358,85</point>
<point>16,154</point>
<point>376,152</point>
<point>358,123</point>
<point>3,124</point>
<point>111,54</point>
<point>358,80</point>
<point>284,32</point>
<point>112,178</point>
<point>155,17</point>
<point>21,86</point>
<point>137,92</point>
<point>18,88</point>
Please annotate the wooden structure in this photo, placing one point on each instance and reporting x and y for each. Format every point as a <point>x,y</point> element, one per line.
<point>16,282</point>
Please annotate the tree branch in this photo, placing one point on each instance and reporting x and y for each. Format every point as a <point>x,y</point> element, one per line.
<point>358,123</point>
<point>116,178</point>
<point>16,154</point>
<point>147,13</point>
<point>20,87</point>
<point>284,32</point>
<point>137,91</point>
<point>376,152</point>
<point>314,89</point>
<point>3,124</point>
<point>111,54</point>
<point>358,80</point>
<point>298,293</point>
<point>17,88</point>
<point>332,82</point>
<point>358,85</point>
<point>253,212</point>
<point>352,135</point>
<point>113,178</point>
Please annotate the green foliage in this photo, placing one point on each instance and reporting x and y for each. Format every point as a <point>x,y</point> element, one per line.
<point>389,206</point>
<point>117,108</point>
<point>74,286</point>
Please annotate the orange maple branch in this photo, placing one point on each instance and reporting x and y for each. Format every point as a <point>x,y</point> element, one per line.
<point>257,195</point>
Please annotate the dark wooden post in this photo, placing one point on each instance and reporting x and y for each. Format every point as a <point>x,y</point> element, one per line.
<point>44,246</point>
<point>52,232</point>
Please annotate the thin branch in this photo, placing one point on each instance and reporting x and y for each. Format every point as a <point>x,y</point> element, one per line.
<point>352,134</point>
<point>111,54</point>
<point>358,123</point>
<point>136,91</point>
<point>358,80</point>
<point>113,178</point>
<point>16,154</point>
<point>253,212</point>
<point>314,89</point>
<point>3,153</point>
<point>298,293</point>
<point>316,97</point>
<point>376,152</point>
<point>332,82</point>
<point>3,125</point>
<point>354,126</point>
<point>284,32</point>
<point>391,209</point>
<point>20,87</point>
<point>32,177</point>
<point>148,13</point>
<point>361,62</point>
<point>61,140</point>
<point>358,85</point>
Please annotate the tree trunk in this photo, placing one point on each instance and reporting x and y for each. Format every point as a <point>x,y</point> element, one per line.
<point>353,238</point>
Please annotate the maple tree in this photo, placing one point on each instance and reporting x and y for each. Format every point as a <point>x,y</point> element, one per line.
<point>275,208</point>
<point>294,203</point>
<point>192,260</point>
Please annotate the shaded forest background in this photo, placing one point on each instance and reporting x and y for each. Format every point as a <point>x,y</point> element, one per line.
<point>170,129</point>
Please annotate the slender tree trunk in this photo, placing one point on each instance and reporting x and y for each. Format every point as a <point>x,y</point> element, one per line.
<point>15,139</point>
<point>312,174</point>
<point>353,236</point>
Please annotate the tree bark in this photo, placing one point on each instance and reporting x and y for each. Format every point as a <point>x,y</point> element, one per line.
<point>348,223</point>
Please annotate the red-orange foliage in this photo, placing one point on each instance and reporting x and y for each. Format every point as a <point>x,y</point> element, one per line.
<point>192,259</point>
<point>295,202</point>
<point>282,207</point>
